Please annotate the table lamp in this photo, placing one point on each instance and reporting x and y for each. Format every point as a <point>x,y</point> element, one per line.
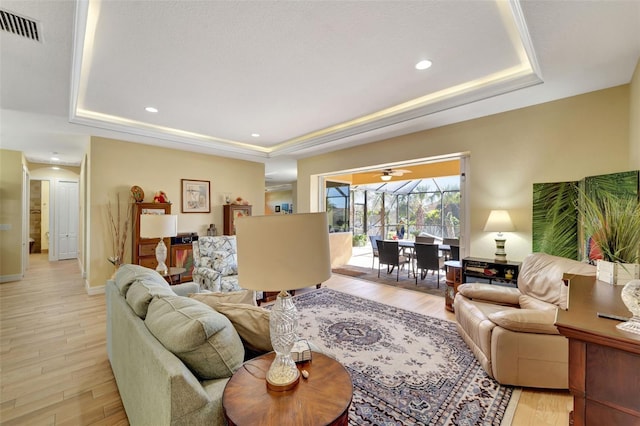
<point>159,226</point>
<point>499,221</point>
<point>280,253</point>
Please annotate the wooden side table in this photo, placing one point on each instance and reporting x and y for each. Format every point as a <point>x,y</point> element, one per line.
<point>322,399</point>
<point>454,279</point>
<point>173,275</point>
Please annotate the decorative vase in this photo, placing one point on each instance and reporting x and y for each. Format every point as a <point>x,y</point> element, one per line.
<point>617,273</point>
<point>631,298</point>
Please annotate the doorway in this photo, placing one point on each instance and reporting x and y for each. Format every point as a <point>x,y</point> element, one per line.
<point>66,219</point>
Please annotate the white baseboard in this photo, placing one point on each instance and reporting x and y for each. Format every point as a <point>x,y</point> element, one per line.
<point>91,291</point>
<point>9,278</point>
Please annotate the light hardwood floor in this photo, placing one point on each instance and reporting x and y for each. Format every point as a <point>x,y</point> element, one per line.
<point>53,361</point>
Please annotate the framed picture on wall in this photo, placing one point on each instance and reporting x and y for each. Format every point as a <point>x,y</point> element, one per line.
<point>277,209</point>
<point>196,196</point>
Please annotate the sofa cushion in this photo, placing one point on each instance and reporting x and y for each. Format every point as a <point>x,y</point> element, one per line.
<point>141,293</point>
<point>225,262</point>
<point>541,277</point>
<point>128,273</point>
<point>202,338</point>
<point>212,299</point>
<point>528,302</point>
<point>526,320</point>
<point>251,323</point>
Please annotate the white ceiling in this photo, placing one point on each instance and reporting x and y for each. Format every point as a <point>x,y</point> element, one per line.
<point>308,76</point>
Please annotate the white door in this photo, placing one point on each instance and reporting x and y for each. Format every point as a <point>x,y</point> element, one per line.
<point>67,219</point>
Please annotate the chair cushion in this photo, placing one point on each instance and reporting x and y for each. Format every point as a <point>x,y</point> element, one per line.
<point>541,277</point>
<point>202,338</point>
<point>526,320</point>
<point>142,291</point>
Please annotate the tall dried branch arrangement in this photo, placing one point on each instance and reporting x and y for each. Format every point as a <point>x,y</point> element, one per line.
<point>119,230</point>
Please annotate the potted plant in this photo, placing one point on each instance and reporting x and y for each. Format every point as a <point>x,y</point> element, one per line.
<point>612,223</point>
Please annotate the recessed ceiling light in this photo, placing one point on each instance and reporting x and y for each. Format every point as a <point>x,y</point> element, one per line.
<point>423,65</point>
<point>55,159</point>
<point>151,109</point>
<point>56,168</point>
<point>255,135</point>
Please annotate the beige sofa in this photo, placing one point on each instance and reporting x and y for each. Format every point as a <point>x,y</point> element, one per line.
<point>511,331</point>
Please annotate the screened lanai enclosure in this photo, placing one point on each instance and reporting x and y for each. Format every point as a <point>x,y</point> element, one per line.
<point>422,207</point>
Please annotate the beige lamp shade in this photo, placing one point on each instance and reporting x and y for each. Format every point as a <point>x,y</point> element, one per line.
<point>158,225</point>
<point>499,221</point>
<point>283,252</point>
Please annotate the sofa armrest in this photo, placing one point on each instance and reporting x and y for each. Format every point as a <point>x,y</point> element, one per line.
<point>491,293</point>
<point>526,320</point>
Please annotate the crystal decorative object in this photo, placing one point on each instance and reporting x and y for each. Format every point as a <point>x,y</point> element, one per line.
<point>631,298</point>
<point>283,324</point>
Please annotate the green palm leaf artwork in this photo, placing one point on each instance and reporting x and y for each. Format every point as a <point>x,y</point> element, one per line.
<point>558,227</point>
<point>610,213</point>
<point>555,222</point>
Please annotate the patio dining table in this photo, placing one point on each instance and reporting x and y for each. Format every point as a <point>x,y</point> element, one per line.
<point>410,244</point>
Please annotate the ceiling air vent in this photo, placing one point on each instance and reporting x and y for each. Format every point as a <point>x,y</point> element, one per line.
<point>18,25</point>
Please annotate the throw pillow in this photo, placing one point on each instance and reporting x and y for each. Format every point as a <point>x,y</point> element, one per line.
<point>247,297</point>
<point>128,273</point>
<point>251,323</point>
<point>143,291</point>
<point>203,339</point>
<point>225,262</point>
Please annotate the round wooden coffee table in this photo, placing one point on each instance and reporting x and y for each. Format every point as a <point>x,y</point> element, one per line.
<point>321,399</point>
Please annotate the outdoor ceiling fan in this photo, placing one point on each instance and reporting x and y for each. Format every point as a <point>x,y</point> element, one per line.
<point>387,174</point>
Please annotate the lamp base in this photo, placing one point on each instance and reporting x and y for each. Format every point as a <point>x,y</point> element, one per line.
<point>500,254</point>
<point>161,256</point>
<point>283,374</point>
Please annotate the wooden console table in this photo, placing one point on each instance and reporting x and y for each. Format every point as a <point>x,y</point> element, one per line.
<point>604,362</point>
<point>490,269</point>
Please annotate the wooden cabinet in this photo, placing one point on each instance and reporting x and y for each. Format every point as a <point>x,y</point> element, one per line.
<point>489,269</point>
<point>144,249</point>
<point>231,212</point>
<point>604,362</point>
<point>454,279</point>
<point>182,257</point>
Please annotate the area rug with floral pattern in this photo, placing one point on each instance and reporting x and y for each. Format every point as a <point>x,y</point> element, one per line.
<point>406,368</point>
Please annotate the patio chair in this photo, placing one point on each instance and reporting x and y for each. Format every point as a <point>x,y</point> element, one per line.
<point>425,240</point>
<point>451,241</point>
<point>427,259</point>
<point>389,254</point>
<point>454,253</point>
<point>374,246</point>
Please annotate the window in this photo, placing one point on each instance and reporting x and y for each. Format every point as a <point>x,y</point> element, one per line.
<point>338,212</point>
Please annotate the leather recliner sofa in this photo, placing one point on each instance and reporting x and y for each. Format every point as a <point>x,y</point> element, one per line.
<point>511,331</point>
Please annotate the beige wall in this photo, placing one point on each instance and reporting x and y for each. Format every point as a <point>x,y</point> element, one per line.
<point>276,198</point>
<point>11,163</point>
<point>634,121</point>
<point>562,140</point>
<point>114,166</point>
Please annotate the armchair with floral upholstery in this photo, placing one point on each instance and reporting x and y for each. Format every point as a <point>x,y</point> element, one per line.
<point>215,263</point>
